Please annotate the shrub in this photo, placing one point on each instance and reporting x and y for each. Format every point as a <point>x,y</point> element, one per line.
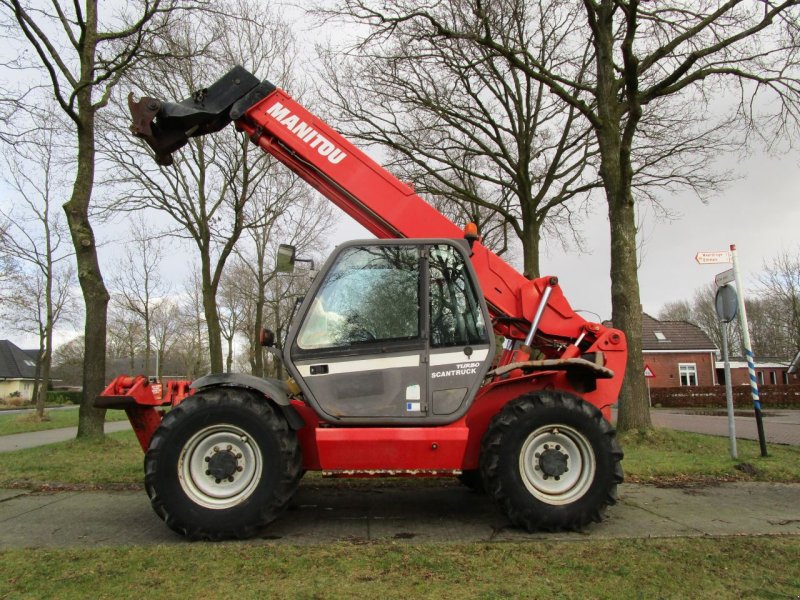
<point>64,397</point>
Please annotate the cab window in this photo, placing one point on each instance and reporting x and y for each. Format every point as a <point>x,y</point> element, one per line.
<point>456,316</point>
<point>371,294</point>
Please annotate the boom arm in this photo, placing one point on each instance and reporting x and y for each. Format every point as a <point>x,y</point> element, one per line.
<point>363,189</point>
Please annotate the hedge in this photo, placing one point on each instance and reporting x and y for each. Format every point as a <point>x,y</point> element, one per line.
<point>714,396</point>
<point>64,397</point>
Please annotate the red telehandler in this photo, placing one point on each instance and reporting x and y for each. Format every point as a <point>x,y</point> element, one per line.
<point>391,357</point>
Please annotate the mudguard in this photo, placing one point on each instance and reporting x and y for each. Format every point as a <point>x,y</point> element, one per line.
<point>274,389</point>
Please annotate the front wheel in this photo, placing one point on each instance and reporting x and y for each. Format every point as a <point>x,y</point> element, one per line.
<point>221,465</point>
<point>551,461</point>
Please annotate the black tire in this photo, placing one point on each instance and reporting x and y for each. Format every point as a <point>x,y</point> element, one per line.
<point>528,451</point>
<point>221,465</point>
<point>472,479</point>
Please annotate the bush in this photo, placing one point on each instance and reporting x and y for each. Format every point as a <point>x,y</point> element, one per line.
<point>64,397</point>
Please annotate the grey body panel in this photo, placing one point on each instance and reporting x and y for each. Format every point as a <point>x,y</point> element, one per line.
<point>274,389</point>
<point>395,382</point>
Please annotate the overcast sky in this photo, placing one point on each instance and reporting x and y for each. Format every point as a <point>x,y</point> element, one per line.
<point>759,212</point>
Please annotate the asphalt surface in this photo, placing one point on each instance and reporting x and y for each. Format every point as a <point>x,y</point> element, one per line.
<point>780,426</point>
<point>407,513</point>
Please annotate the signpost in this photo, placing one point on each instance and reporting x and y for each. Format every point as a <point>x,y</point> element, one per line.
<point>725,257</point>
<point>724,278</point>
<point>648,375</point>
<point>726,304</point>
<point>713,258</point>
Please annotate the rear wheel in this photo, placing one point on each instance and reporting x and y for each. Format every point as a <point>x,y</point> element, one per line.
<point>551,461</point>
<point>221,465</point>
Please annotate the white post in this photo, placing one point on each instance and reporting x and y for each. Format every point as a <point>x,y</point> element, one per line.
<point>748,352</point>
<point>729,390</point>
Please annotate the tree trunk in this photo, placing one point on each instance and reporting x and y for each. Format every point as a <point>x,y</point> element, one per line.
<point>95,295</point>
<point>46,360</point>
<point>531,238</point>
<point>634,410</point>
<point>258,354</point>
<point>212,325</point>
<point>37,378</point>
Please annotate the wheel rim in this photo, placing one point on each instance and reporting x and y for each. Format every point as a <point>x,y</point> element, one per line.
<point>220,466</point>
<point>557,464</point>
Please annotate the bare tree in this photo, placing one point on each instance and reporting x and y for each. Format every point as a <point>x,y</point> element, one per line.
<point>231,304</point>
<point>678,310</point>
<point>468,127</point>
<point>125,341</point>
<point>208,189</point>
<point>779,287</point>
<point>68,361</point>
<point>193,349</point>
<point>137,282</point>
<point>84,52</point>
<point>36,238</point>
<point>166,328</point>
<point>292,216</point>
<point>648,59</point>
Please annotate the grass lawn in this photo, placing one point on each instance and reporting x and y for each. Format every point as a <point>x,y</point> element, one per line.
<point>115,461</point>
<point>667,456</point>
<point>660,456</point>
<point>53,419</point>
<point>666,568</point>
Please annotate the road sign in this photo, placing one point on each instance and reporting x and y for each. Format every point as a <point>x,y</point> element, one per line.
<point>713,258</point>
<point>648,372</point>
<point>726,302</point>
<point>724,278</point>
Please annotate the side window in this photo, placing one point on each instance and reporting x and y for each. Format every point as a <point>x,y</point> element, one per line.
<point>371,294</point>
<point>456,317</point>
<point>688,373</point>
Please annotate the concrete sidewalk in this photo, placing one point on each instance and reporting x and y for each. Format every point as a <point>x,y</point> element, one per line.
<point>411,513</point>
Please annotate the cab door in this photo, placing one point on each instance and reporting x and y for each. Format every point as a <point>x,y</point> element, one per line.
<point>461,346</point>
<point>357,349</point>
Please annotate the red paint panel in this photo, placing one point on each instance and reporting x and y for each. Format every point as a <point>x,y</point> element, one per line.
<point>391,448</point>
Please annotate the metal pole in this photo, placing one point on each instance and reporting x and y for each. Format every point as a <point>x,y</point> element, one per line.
<point>729,390</point>
<point>540,310</point>
<point>748,352</point>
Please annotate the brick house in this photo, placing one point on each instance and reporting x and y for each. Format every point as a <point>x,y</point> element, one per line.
<point>677,353</point>
<point>769,371</point>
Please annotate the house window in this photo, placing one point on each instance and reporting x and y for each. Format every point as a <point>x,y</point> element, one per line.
<point>773,379</point>
<point>660,336</point>
<point>786,378</point>
<point>687,373</point>
<point>760,377</point>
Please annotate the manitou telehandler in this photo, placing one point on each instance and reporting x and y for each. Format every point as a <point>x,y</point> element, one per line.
<point>391,357</point>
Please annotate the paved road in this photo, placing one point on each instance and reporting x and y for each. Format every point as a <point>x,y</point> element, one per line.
<point>780,426</point>
<point>408,513</point>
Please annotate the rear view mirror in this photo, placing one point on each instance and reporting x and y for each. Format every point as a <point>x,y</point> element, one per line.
<point>285,259</point>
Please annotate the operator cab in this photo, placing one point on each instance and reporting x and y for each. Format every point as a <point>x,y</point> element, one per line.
<point>392,331</point>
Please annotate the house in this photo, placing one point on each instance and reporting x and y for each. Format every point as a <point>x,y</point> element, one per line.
<point>794,369</point>
<point>677,353</point>
<point>17,371</point>
<point>769,371</point>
